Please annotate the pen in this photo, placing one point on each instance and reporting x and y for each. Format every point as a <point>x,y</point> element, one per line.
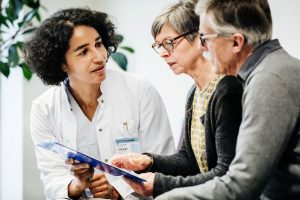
<point>125,125</point>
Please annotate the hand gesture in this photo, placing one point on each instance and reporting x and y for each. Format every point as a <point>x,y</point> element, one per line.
<point>132,161</point>
<point>82,173</point>
<point>146,188</point>
<point>100,188</point>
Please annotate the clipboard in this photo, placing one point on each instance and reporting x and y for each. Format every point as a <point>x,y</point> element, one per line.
<point>83,158</point>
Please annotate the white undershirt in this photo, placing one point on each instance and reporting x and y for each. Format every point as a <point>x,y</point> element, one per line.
<point>86,129</point>
<point>87,142</point>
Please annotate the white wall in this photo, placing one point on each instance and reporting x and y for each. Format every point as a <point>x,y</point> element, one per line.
<point>11,133</point>
<point>133,19</point>
<point>286,27</point>
<point>11,93</point>
<point>32,186</point>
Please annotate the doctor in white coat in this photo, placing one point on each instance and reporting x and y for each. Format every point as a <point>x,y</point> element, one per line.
<point>93,110</point>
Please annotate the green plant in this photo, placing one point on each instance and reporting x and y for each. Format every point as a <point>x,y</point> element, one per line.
<point>16,18</point>
<point>119,57</point>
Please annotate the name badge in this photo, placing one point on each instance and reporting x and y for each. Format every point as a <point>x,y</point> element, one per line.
<point>127,145</point>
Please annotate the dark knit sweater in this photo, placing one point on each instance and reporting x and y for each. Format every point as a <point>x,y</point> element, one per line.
<point>222,121</point>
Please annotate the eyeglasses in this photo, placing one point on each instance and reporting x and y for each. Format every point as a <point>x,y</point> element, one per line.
<point>168,44</point>
<point>204,37</point>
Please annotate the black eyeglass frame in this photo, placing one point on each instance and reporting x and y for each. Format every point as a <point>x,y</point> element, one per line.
<point>171,42</point>
<point>203,37</point>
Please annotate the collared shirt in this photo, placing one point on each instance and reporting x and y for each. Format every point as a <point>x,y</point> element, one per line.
<point>86,129</point>
<point>258,55</point>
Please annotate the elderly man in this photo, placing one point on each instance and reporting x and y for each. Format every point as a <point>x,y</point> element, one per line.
<point>236,35</point>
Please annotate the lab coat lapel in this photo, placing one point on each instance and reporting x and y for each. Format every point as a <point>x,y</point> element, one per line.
<point>69,126</point>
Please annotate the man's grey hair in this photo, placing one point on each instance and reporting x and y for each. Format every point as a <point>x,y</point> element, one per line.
<point>251,18</point>
<point>180,17</point>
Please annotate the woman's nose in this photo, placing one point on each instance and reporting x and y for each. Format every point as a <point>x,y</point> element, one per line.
<point>100,54</point>
<point>164,52</point>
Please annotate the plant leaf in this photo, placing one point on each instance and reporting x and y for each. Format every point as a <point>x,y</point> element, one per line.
<point>4,69</point>
<point>13,57</point>
<point>27,18</point>
<point>38,16</point>
<point>26,71</point>
<point>11,16</point>
<point>129,49</point>
<point>119,38</point>
<point>20,45</point>
<point>30,30</point>
<point>13,9</point>
<point>32,3</point>
<point>120,59</point>
<point>3,20</point>
<point>16,5</point>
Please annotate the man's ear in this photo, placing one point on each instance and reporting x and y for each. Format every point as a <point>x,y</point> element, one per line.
<point>238,42</point>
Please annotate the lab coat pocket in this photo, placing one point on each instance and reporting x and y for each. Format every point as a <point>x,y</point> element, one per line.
<point>125,129</point>
<point>126,137</point>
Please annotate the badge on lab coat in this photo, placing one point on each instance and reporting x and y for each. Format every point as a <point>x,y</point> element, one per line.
<point>130,142</point>
<point>128,145</point>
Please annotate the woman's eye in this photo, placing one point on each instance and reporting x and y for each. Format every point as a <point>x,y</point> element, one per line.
<point>84,52</point>
<point>168,42</point>
<point>157,45</point>
<point>98,44</point>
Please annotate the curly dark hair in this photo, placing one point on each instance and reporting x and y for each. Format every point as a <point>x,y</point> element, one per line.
<point>45,50</point>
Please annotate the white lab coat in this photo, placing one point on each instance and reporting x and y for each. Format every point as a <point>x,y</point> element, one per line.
<point>126,98</point>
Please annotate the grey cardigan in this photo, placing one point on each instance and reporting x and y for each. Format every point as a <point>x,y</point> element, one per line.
<point>268,147</point>
<point>222,121</point>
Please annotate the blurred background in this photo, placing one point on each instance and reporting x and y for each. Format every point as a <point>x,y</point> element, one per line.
<point>19,176</point>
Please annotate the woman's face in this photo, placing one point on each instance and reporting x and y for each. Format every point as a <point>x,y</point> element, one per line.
<point>86,56</point>
<point>184,55</point>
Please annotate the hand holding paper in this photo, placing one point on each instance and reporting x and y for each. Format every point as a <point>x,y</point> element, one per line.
<point>132,161</point>
<point>145,189</point>
<point>105,167</point>
<point>82,173</point>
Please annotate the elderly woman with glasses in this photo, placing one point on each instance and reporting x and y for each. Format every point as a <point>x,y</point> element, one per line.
<point>213,110</point>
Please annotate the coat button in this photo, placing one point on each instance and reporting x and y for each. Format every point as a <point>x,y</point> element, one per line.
<point>100,130</point>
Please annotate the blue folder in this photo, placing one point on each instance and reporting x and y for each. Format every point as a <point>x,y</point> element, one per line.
<point>81,157</point>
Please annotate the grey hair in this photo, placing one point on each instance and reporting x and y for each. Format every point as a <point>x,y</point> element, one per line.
<point>251,18</point>
<point>180,17</point>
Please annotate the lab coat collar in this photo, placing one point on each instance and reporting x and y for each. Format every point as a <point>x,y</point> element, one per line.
<point>69,125</point>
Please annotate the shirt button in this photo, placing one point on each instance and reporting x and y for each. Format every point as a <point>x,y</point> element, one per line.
<point>100,130</point>
<point>106,160</point>
<point>102,101</point>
